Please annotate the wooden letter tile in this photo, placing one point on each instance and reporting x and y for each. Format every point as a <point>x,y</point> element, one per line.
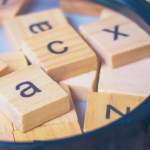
<point>6,129</point>
<point>80,7</point>
<point>104,108</point>
<point>15,60</point>
<point>61,53</point>
<point>82,84</point>
<point>7,137</point>
<point>130,79</point>
<point>4,69</point>
<point>29,98</point>
<point>61,127</point>
<point>105,13</point>
<point>116,40</point>
<point>24,26</point>
<point>10,8</point>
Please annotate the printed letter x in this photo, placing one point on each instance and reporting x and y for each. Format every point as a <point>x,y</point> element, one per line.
<point>115,32</point>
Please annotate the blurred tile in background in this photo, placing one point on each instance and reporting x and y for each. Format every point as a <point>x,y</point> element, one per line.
<point>10,8</point>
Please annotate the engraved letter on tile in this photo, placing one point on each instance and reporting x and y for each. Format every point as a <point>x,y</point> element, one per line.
<point>31,85</point>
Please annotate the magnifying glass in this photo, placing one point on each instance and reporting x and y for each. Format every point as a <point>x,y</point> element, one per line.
<point>131,132</point>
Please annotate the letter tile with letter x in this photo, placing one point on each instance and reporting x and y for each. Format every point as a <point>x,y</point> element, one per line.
<point>117,40</point>
<point>29,98</point>
<point>61,53</point>
<point>10,8</point>
<point>24,26</point>
<point>104,108</point>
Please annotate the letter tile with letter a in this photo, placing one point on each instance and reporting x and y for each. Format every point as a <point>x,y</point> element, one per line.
<point>117,40</point>
<point>6,129</point>
<point>61,127</point>
<point>24,26</point>
<point>104,108</point>
<point>29,98</point>
<point>4,69</point>
<point>81,85</point>
<point>10,8</point>
<point>15,60</point>
<point>61,53</point>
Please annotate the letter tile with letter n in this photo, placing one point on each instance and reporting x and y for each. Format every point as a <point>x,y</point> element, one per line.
<point>29,98</point>
<point>10,8</point>
<point>23,26</point>
<point>104,108</point>
<point>61,53</point>
<point>15,60</point>
<point>117,40</point>
<point>61,127</point>
<point>4,69</point>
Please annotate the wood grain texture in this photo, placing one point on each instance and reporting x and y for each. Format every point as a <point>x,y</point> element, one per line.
<point>25,26</point>
<point>15,60</point>
<point>130,79</point>
<point>26,94</point>
<point>5,124</point>
<point>4,69</point>
<point>6,129</point>
<point>10,8</point>
<point>49,132</point>
<point>61,127</point>
<point>81,7</point>
<point>71,55</point>
<point>117,49</point>
<point>7,137</point>
<point>97,108</point>
<point>81,85</point>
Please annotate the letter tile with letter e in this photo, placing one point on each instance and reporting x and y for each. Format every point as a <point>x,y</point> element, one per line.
<point>61,53</point>
<point>117,40</point>
<point>61,127</point>
<point>10,8</point>
<point>6,129</point>
<point>15,60</point>
<point>81,85</point>
<point>4,69</point>
<point>104,108</point>
<point>24,26</point>
<point>29,98</point>
<point>132,79</point>
<point>81,7</point>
